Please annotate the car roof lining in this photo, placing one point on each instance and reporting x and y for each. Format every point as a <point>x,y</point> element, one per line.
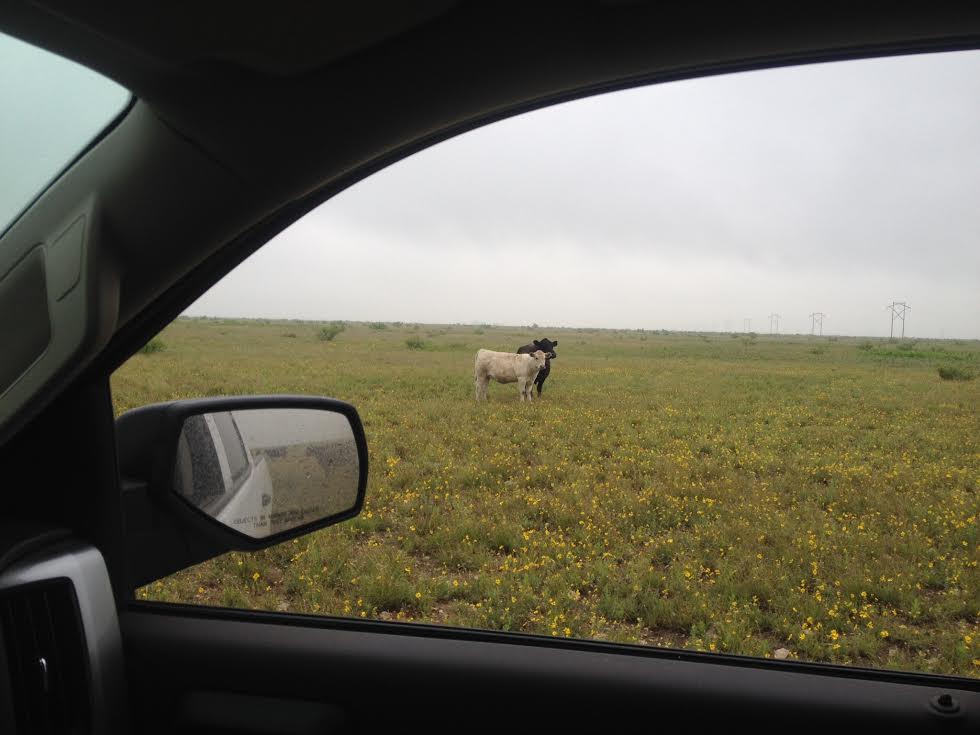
<point>288,38</point>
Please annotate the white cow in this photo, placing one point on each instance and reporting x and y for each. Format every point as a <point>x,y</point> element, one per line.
<point>507,367</point>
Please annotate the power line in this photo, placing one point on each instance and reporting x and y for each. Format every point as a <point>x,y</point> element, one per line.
<point>898,311</point>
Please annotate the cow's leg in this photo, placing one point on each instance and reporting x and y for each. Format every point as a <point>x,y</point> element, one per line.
<point>482,382</point>
<point>542,376</point>
<point>522,387</point>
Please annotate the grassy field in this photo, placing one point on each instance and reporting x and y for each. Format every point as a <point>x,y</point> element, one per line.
<point>717,492</point>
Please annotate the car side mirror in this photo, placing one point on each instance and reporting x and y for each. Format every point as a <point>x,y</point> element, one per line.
<point>264,471</point>
<point>206,476</point>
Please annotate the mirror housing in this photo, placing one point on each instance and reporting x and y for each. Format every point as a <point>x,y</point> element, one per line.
<point>178,528</point>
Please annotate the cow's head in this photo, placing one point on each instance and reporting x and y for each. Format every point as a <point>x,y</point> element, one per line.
<point>539,358</point>
<point>547,347</point>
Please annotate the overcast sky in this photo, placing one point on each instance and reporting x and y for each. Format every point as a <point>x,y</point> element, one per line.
<point>691,205</point>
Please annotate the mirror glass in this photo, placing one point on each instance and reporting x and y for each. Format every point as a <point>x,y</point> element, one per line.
<point>265,471</point>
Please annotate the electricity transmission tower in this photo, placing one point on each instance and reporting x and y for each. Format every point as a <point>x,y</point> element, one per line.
<point>773,320</point>
<point>746,325</point>
<point>898,309</point>
<point>816,321</point>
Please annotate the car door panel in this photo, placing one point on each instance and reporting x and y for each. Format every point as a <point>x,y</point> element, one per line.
<point>392,675</point>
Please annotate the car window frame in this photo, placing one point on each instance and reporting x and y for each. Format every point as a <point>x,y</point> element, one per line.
<point>194,284</point>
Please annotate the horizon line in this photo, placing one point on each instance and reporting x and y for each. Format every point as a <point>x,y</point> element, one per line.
<point>495,325</point>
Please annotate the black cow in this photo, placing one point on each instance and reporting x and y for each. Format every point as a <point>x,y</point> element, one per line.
<point>546,346</point>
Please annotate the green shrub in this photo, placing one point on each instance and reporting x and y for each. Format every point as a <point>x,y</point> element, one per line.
<point>416,343</point>
<point>154,345</point>
<point>954,372</point>
<point>327,333</point>
<point>377,325</point>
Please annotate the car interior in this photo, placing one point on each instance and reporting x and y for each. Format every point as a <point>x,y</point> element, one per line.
<point>243,118</point>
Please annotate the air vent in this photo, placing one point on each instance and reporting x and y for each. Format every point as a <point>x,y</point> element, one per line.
<point>46,657</point>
